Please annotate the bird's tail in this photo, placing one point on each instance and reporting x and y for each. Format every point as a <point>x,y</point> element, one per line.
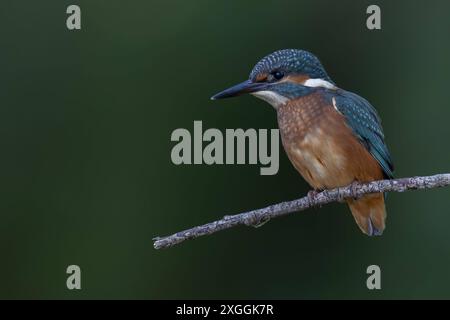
<point>369,212</point>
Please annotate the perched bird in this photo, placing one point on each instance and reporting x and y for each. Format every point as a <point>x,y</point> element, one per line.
<point>332,137</point>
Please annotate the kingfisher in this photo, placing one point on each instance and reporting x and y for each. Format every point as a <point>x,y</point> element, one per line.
<point>332,137</point>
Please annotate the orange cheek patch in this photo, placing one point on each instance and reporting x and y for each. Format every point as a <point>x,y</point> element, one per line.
<point>261,77</point>
<point>297,78</point>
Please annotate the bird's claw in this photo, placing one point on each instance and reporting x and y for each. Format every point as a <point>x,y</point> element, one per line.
<point>312,197</point>
<point>353,190</point>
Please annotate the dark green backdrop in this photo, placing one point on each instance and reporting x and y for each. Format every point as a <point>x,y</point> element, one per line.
<point>86,176</point>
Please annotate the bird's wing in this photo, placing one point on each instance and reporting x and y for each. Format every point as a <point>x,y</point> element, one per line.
<point>363,119</point>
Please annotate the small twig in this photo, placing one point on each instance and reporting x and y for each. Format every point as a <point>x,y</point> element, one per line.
<point>260,216</point>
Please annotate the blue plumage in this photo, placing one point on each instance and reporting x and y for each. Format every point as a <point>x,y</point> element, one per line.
<point>291,61</point>
<point>363,119</point>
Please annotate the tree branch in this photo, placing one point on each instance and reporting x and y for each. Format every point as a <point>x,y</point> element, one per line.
<point>260,216</point>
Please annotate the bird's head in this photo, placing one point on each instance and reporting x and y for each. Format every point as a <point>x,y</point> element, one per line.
<point>282,76</point>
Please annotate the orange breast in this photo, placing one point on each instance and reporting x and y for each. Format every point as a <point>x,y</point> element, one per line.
<point>321,146</point>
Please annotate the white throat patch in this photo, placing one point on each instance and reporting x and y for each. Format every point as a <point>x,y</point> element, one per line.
<point>271,97</point>
<point>314,83</point>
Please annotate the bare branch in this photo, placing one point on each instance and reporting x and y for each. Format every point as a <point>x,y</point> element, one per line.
<point>260,216</point>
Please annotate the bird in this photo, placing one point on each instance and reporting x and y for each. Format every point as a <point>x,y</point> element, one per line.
<point>332,137</point>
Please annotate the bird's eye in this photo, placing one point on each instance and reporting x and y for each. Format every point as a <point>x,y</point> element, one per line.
<point>278,75</point>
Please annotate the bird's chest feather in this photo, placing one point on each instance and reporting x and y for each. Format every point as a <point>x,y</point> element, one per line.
<point>317,141</point>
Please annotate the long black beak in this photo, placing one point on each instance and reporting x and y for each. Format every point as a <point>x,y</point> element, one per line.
<point>241,88</point>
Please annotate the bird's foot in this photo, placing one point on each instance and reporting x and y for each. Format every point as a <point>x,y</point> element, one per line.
<point>340,196</point>
<point>312,197</point>
<point>353,190</point>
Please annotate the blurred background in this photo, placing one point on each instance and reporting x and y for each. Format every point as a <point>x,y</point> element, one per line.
<point>86,179</point>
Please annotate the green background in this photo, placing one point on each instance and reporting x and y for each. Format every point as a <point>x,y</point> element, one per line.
<point>86,177</point>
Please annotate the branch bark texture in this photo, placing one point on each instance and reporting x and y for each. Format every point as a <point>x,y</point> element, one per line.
<point>259,216</point>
